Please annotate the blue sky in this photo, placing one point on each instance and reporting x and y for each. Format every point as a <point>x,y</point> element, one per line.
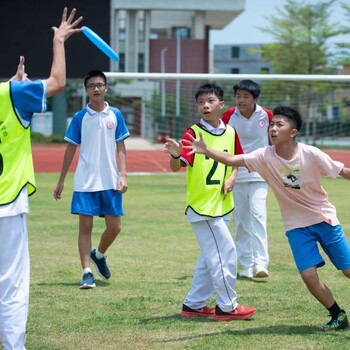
<point>242,30</point>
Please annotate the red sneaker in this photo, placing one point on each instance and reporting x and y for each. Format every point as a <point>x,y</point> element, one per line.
<point>240,313</point>
<point>205,311</point>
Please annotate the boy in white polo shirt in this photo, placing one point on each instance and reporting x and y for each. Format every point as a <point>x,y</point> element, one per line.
<point>293,171</point>
<point>99,181</point>
<point>251,122</point>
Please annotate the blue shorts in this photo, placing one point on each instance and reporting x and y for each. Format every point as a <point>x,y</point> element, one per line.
<point>98,203</point>
<point>303,243</point>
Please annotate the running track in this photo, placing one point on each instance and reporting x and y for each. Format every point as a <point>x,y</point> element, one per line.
<point>48,159</point>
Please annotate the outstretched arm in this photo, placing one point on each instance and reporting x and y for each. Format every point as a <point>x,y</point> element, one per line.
<point>199,146</point>
<point>57,79</point>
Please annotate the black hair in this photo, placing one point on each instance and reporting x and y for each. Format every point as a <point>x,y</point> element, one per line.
<point>249,85</point>
<point>95,73</point>
<point>291,114</point>
<point>210,89</point>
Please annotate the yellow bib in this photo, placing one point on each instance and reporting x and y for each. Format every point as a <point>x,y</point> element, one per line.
<point>205,179</point>
<point>16,163</point>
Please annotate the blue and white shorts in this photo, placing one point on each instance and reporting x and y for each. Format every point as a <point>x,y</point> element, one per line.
<point>100,203</point>
<point>303,243</point>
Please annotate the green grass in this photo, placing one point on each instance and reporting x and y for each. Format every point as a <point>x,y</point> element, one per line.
<point>152,263</point>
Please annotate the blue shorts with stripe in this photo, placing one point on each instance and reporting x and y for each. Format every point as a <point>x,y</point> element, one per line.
<point>100,203</point>
<point>303,243</point>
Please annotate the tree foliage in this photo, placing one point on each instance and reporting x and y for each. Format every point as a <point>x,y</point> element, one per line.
<point>301,30</point>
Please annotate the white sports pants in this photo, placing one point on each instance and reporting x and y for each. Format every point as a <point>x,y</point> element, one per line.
<point>216,268</point>
<point>14,281</point>
<point>250,216</point>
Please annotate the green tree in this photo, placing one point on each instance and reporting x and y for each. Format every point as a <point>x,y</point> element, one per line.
<point>344,53</point>
<point>300,31</point>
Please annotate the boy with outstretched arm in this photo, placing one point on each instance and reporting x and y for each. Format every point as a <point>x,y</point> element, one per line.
<point>293,170</point>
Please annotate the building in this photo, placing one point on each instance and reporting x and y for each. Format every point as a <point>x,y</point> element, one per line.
<point>240,59</point>
<point>152,34</point>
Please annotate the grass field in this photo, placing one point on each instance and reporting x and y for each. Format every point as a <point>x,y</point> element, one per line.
<point>151,264</point>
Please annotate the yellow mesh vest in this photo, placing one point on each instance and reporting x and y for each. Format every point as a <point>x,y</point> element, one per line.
<point>206,177</point>
<point>16,164</point>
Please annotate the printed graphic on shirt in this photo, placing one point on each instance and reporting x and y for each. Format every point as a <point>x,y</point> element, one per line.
<point>290,177</point>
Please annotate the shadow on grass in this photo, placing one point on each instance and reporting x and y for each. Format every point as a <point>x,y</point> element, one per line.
<point>276,330</point>
<point>98,283</point>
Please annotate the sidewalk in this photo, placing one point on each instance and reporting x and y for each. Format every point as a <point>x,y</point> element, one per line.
<point>138,143</point>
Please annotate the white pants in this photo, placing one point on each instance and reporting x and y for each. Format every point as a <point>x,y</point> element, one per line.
<point>216,268</point>
<point>250,216</point>
<point>14,281</point>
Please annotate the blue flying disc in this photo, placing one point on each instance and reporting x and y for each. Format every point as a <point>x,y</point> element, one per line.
<point>100,43</point>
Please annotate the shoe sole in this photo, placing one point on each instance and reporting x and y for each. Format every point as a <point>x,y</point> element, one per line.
<point>227,318</point>
<point>87,286</point>
<point>98,271</point>
<point>188,314</point>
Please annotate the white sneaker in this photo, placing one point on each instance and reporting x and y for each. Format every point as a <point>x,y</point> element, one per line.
<point>247,273</point>
<point>260,271</point>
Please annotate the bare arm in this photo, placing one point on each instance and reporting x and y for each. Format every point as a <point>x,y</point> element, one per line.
<point>67,161</point>
<point>57,79</point>
<point>345,173</point>
<point>230,182</point>
<point>121,156</point>
<point>199,146</point>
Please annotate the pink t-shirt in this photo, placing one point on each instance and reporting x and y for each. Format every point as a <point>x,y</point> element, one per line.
<point>296,183</point>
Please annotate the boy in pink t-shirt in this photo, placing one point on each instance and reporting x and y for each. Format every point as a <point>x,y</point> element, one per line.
<point>293,171</point>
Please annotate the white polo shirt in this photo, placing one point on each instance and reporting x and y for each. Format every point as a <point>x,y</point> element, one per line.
<point>97,134</point>
<point>253,134</point>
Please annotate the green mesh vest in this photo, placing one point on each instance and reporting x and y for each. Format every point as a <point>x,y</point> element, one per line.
<point>206,177</point>
<point>16,163</point>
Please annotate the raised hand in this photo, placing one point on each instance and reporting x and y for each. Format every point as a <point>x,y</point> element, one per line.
<point>67,26</point>
<point>196,146</point>
<point>173,147</point>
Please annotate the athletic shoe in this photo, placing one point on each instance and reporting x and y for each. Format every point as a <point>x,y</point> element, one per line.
<point>240,313</point>
<point>88,281</point>
<point>341,322</point>
<point>101,265</point>
<point>260,271</point>
<point>246,273</point>
<point>205,311</point>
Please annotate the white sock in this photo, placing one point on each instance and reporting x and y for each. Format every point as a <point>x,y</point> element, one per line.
<point>86,270</point>
<point>99,255</point>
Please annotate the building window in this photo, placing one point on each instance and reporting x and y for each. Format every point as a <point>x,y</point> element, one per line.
<point>235,51</point>
<point>122,25</point>
<point>141,29</point>
<point>121,62</point>
<point>235,71</point>
<point>141,62</point>
<point>180,32</point>
<point>264,70</point>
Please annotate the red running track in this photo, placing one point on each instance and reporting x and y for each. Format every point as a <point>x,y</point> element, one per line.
<point>48,159</point>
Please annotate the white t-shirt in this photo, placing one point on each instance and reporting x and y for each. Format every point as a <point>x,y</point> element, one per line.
<point>97,134</point>
<point>296,183</point>
<point>253,134</point>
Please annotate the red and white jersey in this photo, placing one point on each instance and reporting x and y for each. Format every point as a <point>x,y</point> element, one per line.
<point>252,132</point>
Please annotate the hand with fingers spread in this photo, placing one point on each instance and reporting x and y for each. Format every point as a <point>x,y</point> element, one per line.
<point>196,146</point>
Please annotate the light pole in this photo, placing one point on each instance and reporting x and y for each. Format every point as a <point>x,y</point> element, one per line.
<point>162,69</point>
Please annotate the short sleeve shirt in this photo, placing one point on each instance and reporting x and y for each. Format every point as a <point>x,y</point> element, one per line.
<point>296,183</point>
